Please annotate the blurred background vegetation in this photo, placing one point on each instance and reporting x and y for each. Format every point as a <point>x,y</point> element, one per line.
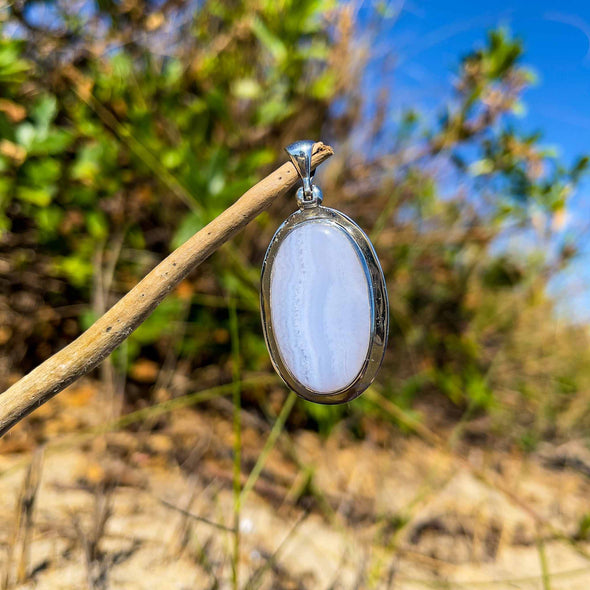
<point>125,126</point>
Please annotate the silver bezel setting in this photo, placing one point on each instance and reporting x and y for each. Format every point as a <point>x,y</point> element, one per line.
<point>378,300</point>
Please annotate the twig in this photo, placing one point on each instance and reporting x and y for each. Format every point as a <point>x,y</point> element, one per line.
<point>237,471</point>
<point>24,521</point>
<point>94,345</point>
<point>196,517</point>
<point>97,564</point>
<point>27,507</point>
<point>254,580</point>
<point>181,534</point>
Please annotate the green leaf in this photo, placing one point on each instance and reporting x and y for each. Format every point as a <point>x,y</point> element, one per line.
<point>42,172</point>
<point>97,224</point>
<point>48,220</point>
<point>273,111</point>
<point>190,225</point>
<point>216,183</point>
<point>77,269</point>
<point>88,163</point>
<point>25,135</point>
<point>173,72</point>
<point>40,141</point>
<point>258,158</point>
<point>173,158</point>
<point>323,87</point>
<point>44,111</point>
<point>87,318</point>
<point>12,67</point>
<point>272,43</point>
<point>54,143</point>
<point>6,185</point>
<point>246,88</point>
<point>36,196</point>
<point>161,322</point>
<point>325,416</point>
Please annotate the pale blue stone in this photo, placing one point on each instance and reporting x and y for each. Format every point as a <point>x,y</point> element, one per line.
<point>320,304</point>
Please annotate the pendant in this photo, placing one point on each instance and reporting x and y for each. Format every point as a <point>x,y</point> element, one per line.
<point>325,312</point>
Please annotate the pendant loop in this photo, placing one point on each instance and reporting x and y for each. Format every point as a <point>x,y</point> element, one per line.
<point>300,154</point>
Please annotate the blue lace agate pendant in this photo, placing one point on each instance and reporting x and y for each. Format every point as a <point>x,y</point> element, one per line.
<point>325,312</point>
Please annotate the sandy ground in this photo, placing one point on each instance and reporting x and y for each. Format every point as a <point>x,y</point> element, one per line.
<point>154,509</point>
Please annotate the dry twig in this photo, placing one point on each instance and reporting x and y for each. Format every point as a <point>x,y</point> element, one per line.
<point>23,528</point>
<point>94,345</point>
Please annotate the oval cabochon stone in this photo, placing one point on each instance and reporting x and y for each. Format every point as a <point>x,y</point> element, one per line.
<point>320,303</point>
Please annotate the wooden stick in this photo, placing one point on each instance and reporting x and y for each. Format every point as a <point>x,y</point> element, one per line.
<point>94,345</point>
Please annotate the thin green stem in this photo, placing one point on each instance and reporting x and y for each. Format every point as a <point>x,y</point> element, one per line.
<point>184,401</point>
<point>269,445</point>
<point>254,580</point>
<point>191,399</point>
<point>543,560</point>
<point>236,394</point>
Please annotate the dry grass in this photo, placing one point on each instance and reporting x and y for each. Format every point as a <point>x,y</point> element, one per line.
<point>125,509</point>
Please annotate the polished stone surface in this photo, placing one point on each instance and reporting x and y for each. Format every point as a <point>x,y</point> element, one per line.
<point>320,306</point>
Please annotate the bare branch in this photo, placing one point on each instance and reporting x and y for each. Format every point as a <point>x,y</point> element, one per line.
<point>94,345</point>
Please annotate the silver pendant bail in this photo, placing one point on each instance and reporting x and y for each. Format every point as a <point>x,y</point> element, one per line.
<point>300,154</point>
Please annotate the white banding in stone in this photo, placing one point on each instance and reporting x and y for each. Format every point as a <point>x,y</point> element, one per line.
<point>320,303</point>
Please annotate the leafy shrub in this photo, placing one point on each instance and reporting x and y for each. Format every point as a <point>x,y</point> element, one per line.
<point>126,128</point>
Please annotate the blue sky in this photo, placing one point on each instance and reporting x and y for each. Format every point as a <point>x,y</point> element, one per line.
<point>430,36</point>
<point>417,52</point>
<point>426,40</point>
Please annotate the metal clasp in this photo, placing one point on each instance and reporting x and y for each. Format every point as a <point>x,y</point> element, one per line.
<point>309,195</point>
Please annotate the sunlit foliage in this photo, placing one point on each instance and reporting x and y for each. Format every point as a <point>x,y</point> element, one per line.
<point>125,127</point>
